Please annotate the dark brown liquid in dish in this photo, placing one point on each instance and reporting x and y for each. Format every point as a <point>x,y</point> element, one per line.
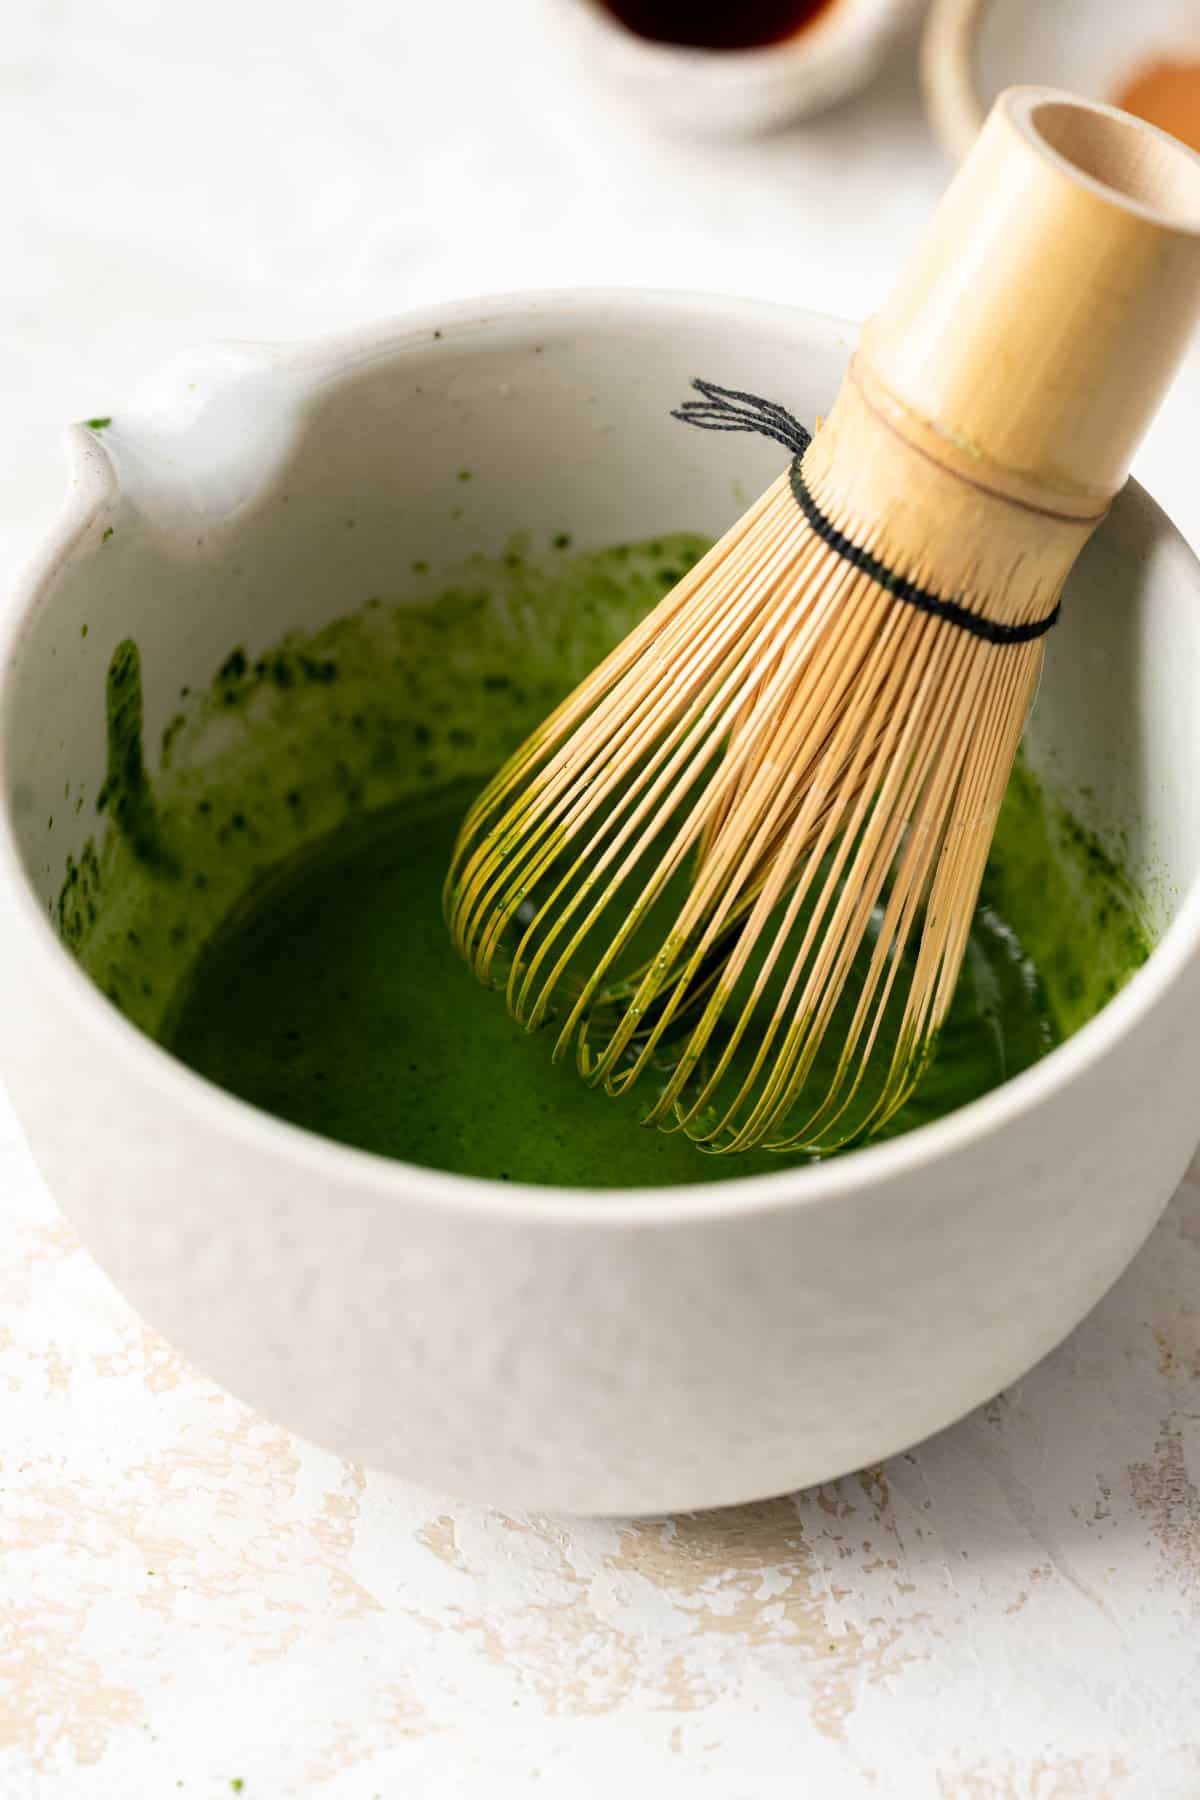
<point>718,24</point>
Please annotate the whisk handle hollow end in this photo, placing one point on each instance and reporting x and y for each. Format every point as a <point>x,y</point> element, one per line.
<point>1035,331</point>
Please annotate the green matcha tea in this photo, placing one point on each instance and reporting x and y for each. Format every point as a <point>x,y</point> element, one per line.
<point>268,902</point>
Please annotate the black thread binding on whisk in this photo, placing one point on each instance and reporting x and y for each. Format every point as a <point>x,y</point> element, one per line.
<point>728,409</point>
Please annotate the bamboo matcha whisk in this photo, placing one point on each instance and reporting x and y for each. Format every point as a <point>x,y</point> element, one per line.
<point>738,865</point>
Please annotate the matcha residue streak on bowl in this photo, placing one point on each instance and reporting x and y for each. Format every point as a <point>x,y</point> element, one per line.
<point>126,792</point>
<point>268,904</point>
<point>381,707</point>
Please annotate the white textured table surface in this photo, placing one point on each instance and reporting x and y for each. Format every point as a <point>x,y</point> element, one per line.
<point>190,1599</point>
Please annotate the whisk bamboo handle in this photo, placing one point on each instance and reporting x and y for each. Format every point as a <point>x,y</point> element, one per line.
<point>739,863</point>
<point>1035,331</point>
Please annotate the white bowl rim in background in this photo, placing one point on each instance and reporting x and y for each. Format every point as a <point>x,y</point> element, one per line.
<point>702,92</point>
<point>1093,48</point>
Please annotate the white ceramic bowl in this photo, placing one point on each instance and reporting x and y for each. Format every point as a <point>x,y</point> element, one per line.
<point>737,93</point>
<point>583,1351</point>
<point>974,49</point>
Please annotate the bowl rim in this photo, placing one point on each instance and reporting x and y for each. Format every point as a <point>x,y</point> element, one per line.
<point>139,1058</point>
<point>947,70</point>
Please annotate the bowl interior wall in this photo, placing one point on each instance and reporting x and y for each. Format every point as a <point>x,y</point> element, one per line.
<point>294,492</point>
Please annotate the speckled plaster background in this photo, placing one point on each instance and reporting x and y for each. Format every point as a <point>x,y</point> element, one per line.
<point>189,1597</point>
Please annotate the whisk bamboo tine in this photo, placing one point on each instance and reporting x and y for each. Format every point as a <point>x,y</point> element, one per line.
<point>856,801</point>
<point>744,854</point>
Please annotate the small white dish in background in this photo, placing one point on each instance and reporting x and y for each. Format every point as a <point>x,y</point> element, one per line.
<point>974,49</point>
<point>737,93</point>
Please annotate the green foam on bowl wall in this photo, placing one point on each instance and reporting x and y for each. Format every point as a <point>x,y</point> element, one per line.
<point>265,898</point>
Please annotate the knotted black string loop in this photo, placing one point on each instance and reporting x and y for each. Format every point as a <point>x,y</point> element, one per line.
<point>729,409</point>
